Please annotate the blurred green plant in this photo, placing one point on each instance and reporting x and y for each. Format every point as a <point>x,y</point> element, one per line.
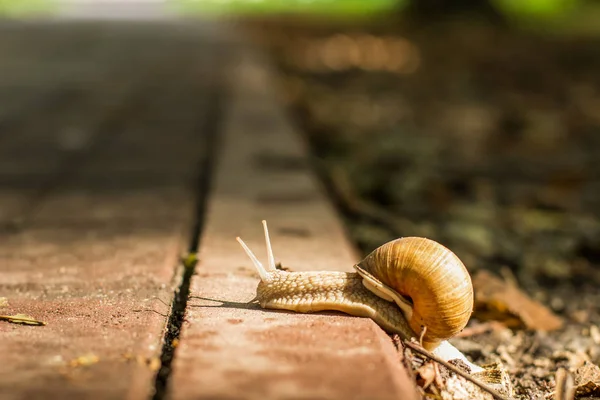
<point>537,8</point>
<point>554,17</point>
<point>18,8</point>
<point>341,7</point>
<point>551,16</point>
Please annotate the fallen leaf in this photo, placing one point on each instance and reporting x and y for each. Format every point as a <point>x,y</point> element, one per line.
<point>85,360</point>
<point>22,319</point>
<point>3,302</point>
<point>154,364</point>
<point>498,300</point>
<point>587,380</point>
<point>595,334</point>
<point>426,374</point>
<point>281,267</point>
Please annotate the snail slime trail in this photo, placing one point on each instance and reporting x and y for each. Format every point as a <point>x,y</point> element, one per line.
<point>403,285</point>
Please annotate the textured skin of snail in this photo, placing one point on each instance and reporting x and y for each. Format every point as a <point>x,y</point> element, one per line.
<point>307,292</point>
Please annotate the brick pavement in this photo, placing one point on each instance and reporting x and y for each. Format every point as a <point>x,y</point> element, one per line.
<point>97,199</point>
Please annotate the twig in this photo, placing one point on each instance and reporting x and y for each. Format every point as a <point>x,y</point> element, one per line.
<point>403,356</point>
<point>565,386</point>
<point>21,319</point>
<point>161,300</point>
<point>150,310</point>
<point>454,369</point>
<point>353,203</point>
<point>481,328</point>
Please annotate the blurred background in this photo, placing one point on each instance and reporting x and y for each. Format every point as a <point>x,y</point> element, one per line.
<point>473,122</point>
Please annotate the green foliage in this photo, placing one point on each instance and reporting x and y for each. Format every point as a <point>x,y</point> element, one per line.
<point>16,8</point>
<point>537,8</point>
<point>343,7</point>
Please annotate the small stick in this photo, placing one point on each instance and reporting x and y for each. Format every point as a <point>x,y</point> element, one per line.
<point>25,320</point>
<point>454,369</point>
<point>479,329</point>
<point>565,386</point>
<point>352,202</point>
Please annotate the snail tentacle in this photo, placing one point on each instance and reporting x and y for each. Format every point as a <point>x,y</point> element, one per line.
<point>264,274</point>
<point>271,257</point>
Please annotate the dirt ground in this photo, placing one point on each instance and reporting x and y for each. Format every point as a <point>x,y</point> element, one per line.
<point>483,138</point>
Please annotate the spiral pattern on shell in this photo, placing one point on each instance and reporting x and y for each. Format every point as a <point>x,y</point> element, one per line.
<point>432,277</point>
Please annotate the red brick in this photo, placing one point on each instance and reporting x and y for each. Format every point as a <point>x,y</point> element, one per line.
<point>90,241</point>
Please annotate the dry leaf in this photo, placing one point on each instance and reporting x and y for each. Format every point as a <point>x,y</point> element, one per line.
<point>587,380</point>
<point>22,319</point>
<point>427,374</point>
<point>85,360</point>
<point>154,364</point>
<point>280,266</point>
<point>3,302</point>
<point>498,300</point>
<point>595,334</point>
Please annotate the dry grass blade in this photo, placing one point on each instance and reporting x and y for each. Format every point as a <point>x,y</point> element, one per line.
<point>565,385</point>
<point>457,371</point>
<point>22,319</point>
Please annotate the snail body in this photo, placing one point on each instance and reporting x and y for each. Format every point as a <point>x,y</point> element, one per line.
<point>316,291</point>
<point>411,286</point>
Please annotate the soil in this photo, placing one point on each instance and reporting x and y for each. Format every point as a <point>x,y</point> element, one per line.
<point>483,138</point>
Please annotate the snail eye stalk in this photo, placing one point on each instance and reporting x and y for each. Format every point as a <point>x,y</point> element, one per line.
<point>264,275</point>
<point>262,271</point>
<point>271,263</point>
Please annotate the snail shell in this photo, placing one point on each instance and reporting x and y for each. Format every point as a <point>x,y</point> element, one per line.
<point>427,281</point>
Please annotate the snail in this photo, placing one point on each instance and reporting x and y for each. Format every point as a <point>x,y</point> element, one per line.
<point>410,286</point>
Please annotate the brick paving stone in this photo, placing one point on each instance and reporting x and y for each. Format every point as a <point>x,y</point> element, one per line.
<point>94,250</point>
<point>230,349</point>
